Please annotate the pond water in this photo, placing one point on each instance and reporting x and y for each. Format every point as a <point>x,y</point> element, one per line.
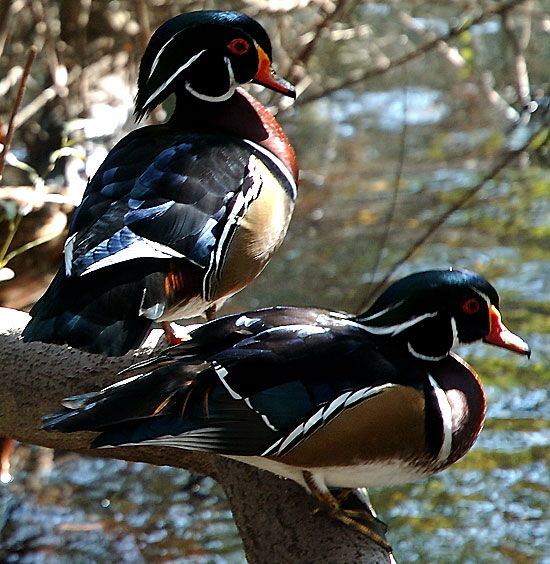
<point>492,506</point>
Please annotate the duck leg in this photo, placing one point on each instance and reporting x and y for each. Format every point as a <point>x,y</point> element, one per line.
<point>362,520</point>
<point>169,334</point>
<point>211,313</point>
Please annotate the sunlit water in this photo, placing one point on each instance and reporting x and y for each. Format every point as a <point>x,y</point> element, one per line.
<point>491,507</point>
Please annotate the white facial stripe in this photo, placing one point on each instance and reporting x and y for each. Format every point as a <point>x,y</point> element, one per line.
<point>484,296</point>
<point>384,311</point>
<point>161,50</point>
<point>172,77</point>
<point>396,329</point>
<point>455,332</point>
<point>447,420</point>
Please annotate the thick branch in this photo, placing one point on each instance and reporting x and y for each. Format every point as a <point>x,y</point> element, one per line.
<point>275,517</point>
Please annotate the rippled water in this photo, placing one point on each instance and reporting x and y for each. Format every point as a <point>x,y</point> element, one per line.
<point>492,506</point>
<point>81,510</point>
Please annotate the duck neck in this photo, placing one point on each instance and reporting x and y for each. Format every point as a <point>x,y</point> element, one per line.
<point>242,116</point>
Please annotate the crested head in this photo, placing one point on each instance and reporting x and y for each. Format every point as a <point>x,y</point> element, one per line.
<point>205,55</point>
<point>431,311</point>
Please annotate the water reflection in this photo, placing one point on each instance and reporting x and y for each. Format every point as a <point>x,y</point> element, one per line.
<point>93,510</point>
<point>388,110</point>
<point>492,507</point>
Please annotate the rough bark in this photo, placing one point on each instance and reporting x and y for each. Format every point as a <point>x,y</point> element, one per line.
<point>275,517</point>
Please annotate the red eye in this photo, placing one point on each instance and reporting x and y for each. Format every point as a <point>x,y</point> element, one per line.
<point>471,306</point>
<point>239,46</point>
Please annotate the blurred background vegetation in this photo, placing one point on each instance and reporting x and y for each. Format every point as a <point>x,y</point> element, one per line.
<point>422,134</point>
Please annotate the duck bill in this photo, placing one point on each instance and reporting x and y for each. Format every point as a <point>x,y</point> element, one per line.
<point>267,77</point>
<point>500,336</point>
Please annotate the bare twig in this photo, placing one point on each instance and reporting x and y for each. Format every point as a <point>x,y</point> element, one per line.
<point>522,76</point>
<point>539,138</point>
<point>142,13</point>
<point>487,85</point>
<point>450,53</point>
<point>12,230</point>
<point>93,72</point>
<point>6,21</point>
<point>31,54</point>
<point>305,54</point>
<point>388,221</point>
<point>453,33</point>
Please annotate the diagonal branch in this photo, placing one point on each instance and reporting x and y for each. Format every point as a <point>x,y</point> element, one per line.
<point>390,214</point>
<point>538,139</point>
<point>453,33</point>
<point>31,54</point>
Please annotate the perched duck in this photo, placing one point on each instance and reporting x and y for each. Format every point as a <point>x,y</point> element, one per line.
<point>183,215</point>
<point>324,398</point>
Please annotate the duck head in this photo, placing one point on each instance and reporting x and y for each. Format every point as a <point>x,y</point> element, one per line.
<point>205,55</point>
<point>430,312</point>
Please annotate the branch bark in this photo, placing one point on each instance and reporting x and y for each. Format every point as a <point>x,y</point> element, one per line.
<point>275,517</point>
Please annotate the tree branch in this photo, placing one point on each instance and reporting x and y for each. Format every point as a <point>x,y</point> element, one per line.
<point>435,42</point>
<point>275,517</point>
<point>539,137</point>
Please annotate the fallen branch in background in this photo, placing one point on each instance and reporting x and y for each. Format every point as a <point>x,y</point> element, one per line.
<point>31,54</point>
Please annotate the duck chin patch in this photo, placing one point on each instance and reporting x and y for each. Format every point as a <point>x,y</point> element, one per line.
<point>202,94</point>
<point>427,357</point>
<point>433,339</point>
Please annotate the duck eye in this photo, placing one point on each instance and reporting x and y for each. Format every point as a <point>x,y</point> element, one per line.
<point>239,46</point>
<point>471,306</point>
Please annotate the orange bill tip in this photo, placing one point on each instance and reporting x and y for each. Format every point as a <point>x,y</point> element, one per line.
<point>267,77</point>
<point>501,336</point>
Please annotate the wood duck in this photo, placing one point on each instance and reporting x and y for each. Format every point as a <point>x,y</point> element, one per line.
<point>183,215</point>
<point>324,398</point>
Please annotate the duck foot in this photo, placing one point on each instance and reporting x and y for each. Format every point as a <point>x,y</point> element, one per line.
<point>169,334</point>
<point>357,502</point>
<point>360,519</point>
